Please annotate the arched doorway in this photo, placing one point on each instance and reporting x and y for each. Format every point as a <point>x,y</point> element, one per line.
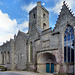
<point>46,62</point>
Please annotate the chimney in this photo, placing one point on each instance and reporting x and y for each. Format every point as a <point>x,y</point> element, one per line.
<point>38,3</point>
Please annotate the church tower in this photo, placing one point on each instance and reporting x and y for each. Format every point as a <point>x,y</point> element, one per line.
<point>38,17</point>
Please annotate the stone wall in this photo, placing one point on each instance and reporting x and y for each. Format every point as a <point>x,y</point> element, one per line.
<point>20,51</point>
<point>44,41</point>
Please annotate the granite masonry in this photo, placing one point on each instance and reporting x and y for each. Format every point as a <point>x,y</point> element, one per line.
<point>42,49</point>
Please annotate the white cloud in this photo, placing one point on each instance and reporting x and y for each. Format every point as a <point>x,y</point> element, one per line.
<point>26,31</point>
<point>6,23</point>
<point>28,7</point>
<point>23,26</point>
<point>43,3</point>
<point>9,27</point>
<point>57,7</point>
<point>59,3</point>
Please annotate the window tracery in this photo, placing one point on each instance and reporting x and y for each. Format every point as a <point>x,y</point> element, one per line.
<point>68,45</point>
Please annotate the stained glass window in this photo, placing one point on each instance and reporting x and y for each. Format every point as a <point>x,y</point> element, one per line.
<point>69,44</point>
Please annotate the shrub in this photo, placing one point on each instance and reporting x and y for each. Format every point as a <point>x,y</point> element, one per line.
<point>2,68</point>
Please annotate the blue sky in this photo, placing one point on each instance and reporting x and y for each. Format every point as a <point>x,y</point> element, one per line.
<point>14,15</point>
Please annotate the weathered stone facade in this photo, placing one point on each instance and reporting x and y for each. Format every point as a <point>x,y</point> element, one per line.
<point>42,48</point>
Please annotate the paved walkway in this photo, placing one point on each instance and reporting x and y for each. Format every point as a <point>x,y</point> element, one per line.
<point>22,73</point>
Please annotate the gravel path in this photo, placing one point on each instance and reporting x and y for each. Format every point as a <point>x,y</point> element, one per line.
<point>22,73</point>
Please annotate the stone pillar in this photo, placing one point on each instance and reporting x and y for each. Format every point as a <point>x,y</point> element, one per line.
<point>29,53</point>
<point>0,58</point>
<point>34,51</point>
<point>5,58</point>
<point>61,51</point>
<point>12,56</point>
<point>35,65</point>
<point>27,63</point>
<point>39,14</point>
<point>8,57</point>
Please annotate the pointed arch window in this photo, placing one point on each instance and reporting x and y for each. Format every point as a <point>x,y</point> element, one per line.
<point>44,26</point>
<point>44,15</point>
<point>69,44</point>
<point>8,57</point>
<point>34,15</point>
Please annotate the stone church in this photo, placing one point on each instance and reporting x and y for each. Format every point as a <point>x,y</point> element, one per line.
<point>42,49</point>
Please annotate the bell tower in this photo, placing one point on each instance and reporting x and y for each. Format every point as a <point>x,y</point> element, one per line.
<point>38,16</point>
